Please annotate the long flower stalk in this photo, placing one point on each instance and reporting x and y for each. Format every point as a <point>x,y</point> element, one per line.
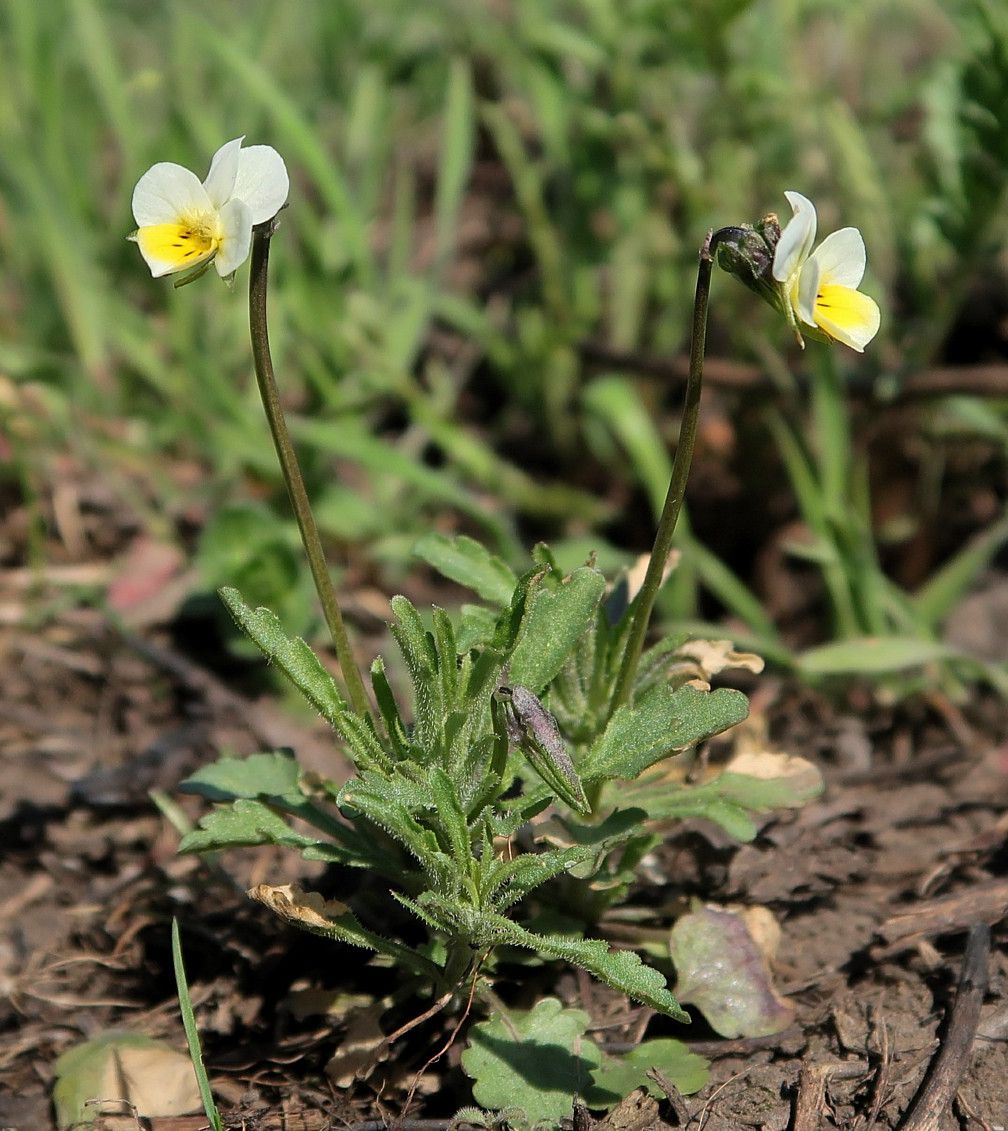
<point>261,235</point>
<point>643,605</point>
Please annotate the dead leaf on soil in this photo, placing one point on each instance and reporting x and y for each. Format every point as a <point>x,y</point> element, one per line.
<point>724,971</point>
<point>803,779</point>
<point>304,908</point>
<point>711,657</point>
<point>149,585</point>
<point>636,573</point>
<point>118,1068</point>
<point>363,1047</point>
<point>799,779</point>
<point>314,1001</point>
<point>638,1112</point>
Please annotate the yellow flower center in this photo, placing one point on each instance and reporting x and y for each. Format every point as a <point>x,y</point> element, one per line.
<point>841,309</point>
<point>185,243</point>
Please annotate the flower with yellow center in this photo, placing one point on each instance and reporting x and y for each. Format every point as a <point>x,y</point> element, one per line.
<point>820,287</point>
<point>183,223</point>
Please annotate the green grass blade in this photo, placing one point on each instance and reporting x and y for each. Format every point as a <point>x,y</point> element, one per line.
<point>457,141</point>
<point>191,1032</point>
<point>939,594</point>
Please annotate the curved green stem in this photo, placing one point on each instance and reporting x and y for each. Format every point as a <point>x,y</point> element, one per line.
<point>261,235</point>
<point>644,604</point>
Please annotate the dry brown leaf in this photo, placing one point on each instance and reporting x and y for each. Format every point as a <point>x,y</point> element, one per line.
<point>124,1068</point>
<point>716,656</point>
<point>635,574</point>
<point>774,765</point>
<point>363,1047</point>
<point>291,902</point>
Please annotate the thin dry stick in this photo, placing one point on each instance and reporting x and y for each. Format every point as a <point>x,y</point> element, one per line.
<point>881,1082</point>
<point>812,1090</point>
<point>934,1099</point>
<point>451,1038</point>
<point>714,1095</point>
<point>414,1022</point>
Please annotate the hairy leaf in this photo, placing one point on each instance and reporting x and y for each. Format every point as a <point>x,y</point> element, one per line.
<point>245,822</point>
<point>291,655</point>
<point>621,969</point>
<point>553,622</point>
<point>274,774</point>
<point>662,721</point>
<point>333,920</point>
<point>534,1061</point>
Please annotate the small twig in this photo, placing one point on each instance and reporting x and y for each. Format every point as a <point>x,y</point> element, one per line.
<point>812,1090</point>
<point>941,1083</point>
<point>881,1081</point>
<point>415,1021</point>
<point>958,380</point>
<point>982,903</point>
<point>448,1044</point>
<point>963,1105</point>
<point>672,1094</point>
<point>714,1095</point>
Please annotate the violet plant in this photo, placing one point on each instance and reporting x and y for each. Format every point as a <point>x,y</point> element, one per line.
<point>542,697</point>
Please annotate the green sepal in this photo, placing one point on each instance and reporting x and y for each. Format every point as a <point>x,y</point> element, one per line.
<point>538,737</point>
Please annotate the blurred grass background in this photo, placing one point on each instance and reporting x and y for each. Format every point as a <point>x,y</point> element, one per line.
<point>481,288</point>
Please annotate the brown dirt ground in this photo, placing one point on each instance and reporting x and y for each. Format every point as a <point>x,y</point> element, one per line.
<point>876,887</point>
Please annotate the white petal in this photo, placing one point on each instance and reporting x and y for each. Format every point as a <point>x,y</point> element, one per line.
<point>166,192</point>
<point>236,237</point>
<point>262,181</point>
<point>220,181</point>
<point>797,239</point>
<point>808,288</point>
<point>841,258</point>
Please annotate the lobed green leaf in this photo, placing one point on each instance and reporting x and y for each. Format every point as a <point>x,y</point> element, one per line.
<point>662,721</point>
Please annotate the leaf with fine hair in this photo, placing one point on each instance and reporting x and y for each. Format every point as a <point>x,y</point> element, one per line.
<point>661,722</point>
<point>245,822</point>
<point>419,652</point>
<point>554,620</point>
<point>291,655</point>
<point>620,969</point>
<point>333,920</point>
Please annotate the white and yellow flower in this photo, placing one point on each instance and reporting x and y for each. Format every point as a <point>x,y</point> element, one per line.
<point>183,223</point>
<point>820,287</point>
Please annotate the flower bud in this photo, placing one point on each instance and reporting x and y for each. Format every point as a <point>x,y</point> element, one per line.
<point>747,252</point>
